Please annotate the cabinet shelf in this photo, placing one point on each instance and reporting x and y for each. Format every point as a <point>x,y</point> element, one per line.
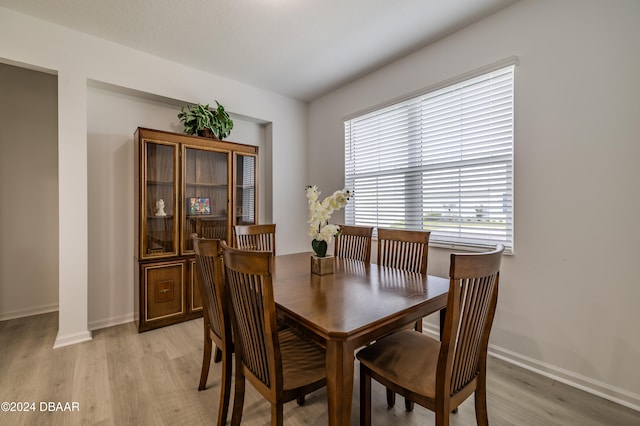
<point>205,217</point>
<point>208,185</point>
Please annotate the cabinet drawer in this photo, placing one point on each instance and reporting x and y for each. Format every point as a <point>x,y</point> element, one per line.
<point>164,290</point>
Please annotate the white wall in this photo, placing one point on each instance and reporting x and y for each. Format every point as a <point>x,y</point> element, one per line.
<point>78,59</point>
<point>569,296</point>
<point>28,211</point>
<point>113,116</point>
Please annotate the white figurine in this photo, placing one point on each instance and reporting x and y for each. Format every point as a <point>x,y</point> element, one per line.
<point>160,208</point>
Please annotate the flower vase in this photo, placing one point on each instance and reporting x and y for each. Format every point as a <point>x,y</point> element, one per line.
<point>322,265</point>
<point>206,133</point>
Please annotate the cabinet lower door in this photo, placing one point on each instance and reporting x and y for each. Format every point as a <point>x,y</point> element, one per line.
<point>163,294</point>
<point>167,293</point>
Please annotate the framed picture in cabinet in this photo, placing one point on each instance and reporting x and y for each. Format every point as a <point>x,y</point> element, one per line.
<point>199,205</point>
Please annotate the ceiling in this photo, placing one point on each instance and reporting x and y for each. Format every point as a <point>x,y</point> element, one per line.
<point>299,48</point>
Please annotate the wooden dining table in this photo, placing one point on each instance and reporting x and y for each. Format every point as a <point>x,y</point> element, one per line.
<point>356,304</point>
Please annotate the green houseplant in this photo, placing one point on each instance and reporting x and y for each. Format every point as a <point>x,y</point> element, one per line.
<point>201,120</point>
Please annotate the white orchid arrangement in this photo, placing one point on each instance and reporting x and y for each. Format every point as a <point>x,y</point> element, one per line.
<point>320,213</point>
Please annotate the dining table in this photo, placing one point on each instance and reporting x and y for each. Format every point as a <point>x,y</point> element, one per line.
<point>358,303</point>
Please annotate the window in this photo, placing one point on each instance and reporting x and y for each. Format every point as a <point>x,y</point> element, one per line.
<point>441,161</point>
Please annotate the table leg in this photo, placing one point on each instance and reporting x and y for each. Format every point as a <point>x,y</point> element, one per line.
<point>340,369</point>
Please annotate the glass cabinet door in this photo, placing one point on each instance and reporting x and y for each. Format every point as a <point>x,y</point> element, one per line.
<point>245,194</point>
<point>206,195</point>
<point>159,204</point>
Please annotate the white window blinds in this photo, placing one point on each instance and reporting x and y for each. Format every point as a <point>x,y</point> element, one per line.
<point>441,161</point>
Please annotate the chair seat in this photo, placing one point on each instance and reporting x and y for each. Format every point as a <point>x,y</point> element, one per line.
<point>303,362</point>
<point>407,358</point>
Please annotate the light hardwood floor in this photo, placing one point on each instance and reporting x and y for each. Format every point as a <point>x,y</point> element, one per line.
<point>125,378</point>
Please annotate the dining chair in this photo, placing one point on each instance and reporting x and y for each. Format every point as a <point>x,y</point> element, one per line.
<point>217,324</point>
<point>407,250</point>
<point>280,364</point>
<point>256,237</point>
<point>354,242</point>
<point>440,375</point>
<point>404,249</point>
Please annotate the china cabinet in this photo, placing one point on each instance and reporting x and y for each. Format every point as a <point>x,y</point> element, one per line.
<point>185,185</point>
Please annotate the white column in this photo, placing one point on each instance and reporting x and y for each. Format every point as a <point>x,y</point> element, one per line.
<point>73,227</point>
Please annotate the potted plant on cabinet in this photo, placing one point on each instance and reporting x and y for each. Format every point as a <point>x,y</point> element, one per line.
<point>201,120</point>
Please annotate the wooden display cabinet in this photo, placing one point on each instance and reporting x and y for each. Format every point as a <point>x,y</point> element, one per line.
<point>186,184</point>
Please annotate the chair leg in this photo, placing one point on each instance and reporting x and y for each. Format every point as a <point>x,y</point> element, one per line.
<point>442,416</point>
<point>482,417</point>
<point>408,404</point>
<point>300,400</point>
<point>238,397</point>
<point>277,414</point>
<point>391,398</point>
<point>365,397</point>
<point>225,388</point>
<point>218,356</point>
<point>206,360</point>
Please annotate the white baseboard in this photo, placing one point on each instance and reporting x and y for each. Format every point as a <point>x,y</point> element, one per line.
<point>122,319</point>
<point>4,316</point>
<point>587,384</point>
<point>67,340</point>
<point>93,325</point>
<point>71,339</point>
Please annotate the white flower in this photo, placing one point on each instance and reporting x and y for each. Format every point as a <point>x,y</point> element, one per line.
<point>320,213</point>
<point>327,232</point>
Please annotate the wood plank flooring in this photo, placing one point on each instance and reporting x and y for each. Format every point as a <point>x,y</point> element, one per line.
<point>125,378</point>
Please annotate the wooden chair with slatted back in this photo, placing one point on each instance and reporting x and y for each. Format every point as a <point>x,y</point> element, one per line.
<point>407,250</point>
<point>403,249</point>
<point>354,242</point>
<point>217,324</point>
<point>281,365</point>
<point>440,375</point>
<point>256,237</point>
